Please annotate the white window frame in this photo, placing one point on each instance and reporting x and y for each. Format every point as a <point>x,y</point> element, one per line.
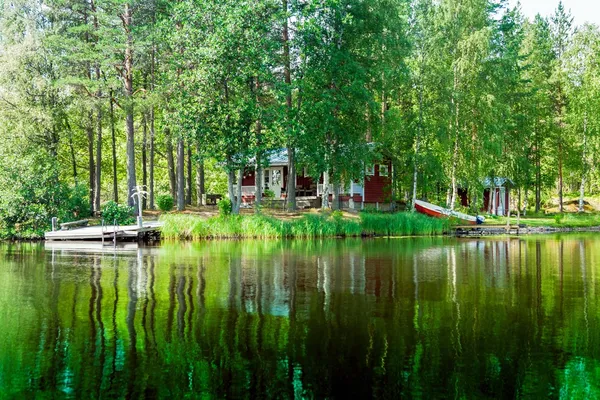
<point>383,167</point>
<point>370,170</point>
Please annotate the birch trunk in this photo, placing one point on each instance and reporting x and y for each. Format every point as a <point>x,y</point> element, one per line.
<point>325,194</point>
<point>417,148</point>
<point>230,187</point>
<point>456,134</point>
<point>238,201</point>
<point>585,166</point>
<point>258,183</point>
<point>454,165</point>
<point>335,201</point>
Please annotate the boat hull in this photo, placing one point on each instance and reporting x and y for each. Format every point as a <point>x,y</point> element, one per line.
<point>439,212</point>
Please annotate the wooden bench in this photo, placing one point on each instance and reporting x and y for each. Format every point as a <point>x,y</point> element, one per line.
<point>65,226</point>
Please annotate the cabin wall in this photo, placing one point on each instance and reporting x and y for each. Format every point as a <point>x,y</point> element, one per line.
<point>487,198</point>
<point>249,178</point>
<point>378,189</point>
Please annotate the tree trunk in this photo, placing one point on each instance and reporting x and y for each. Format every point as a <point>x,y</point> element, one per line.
<point>152,132</point>
<point>91,167</point>
<point>335,201</point>
<point>325,194</point>
<point>189,177</point>
<point>73,159</point>
<point>151,166</point>
<point>560,178</point>
<point>128,80</point>
<point>453,176</point>
<point>180,175</point>
<point>171,163</point>
<point>291,180</point>
<point>585,166</point>
<point>456,134</point>
<point>519,207</point>
<point>114,150</point>
<point>98,175</point>
<point>287,73</point>
<point>200,179</point>
<point>144,158</point>
<point>258,182</point>
<point>238,192</point>
<point>230,186</point>
<point>417,148</point>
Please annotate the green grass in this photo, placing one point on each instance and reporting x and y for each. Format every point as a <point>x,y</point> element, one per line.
<point>190,227</point>
<point>553,221</point>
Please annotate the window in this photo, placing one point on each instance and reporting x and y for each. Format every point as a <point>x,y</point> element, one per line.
<point>370,170</point>
<point>384,170</point>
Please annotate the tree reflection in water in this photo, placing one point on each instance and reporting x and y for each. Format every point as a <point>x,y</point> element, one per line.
<point>410,317</point>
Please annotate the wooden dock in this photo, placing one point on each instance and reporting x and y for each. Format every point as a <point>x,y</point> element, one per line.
<point>489,230</point>
<point>113,233</point>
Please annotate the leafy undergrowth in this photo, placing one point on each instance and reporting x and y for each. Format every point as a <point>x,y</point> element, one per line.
<point>190,227</point>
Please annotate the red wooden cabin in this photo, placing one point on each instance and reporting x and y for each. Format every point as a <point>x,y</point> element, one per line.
<point>374,190</point>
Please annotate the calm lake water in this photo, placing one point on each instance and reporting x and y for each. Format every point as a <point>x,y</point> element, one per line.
<point>427,318</point>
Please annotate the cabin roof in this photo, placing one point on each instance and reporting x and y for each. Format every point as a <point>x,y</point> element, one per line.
<point>498,182</point>
<point>279,157</point>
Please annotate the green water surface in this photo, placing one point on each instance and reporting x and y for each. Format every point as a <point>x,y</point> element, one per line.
<point>420,318</point>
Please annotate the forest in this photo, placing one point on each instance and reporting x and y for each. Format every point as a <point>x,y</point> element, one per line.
<point>99,97</point>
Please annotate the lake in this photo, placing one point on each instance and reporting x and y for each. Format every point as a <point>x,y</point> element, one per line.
<point>424,318</point>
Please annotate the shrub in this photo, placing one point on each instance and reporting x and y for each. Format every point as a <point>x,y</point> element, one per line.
<point>558,218</point>
<point>122,214</point>
<point>165,202</point>
<point>268,193</point>
<point>225,207</point>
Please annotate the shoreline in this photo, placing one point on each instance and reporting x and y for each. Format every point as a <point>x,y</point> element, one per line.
<point>191,227</point>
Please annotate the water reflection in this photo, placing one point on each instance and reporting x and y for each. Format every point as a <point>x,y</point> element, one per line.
<point>419,318</point>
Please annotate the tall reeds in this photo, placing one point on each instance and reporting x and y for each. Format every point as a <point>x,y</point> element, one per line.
<point>190,227</point>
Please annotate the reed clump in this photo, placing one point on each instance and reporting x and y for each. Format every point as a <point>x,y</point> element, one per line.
<point>402,224</point>
<point>190,227</point>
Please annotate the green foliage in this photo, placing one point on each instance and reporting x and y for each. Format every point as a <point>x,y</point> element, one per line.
<point>268,193</point>
<point>558,218</point>
<point>121,213</point>
<point>165,202</point>
<point>225,207</point>
<point>451,90</point>
<point>31,193</point>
